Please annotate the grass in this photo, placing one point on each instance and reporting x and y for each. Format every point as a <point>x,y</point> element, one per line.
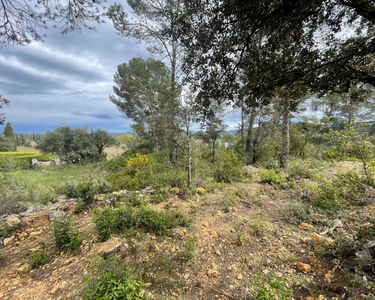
<point>32,187</point>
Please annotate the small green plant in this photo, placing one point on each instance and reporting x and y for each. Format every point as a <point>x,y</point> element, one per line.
<point>240,238</point>
<point>273,287</point>
<point>133,199</point>
<point>258,226</point>
<point>296,212</point>
<point>367,230</point>
<point>110,279</point>
<point>38,258</point>
<point>65,235</point>
<point>351,186</point>
<point>116,220</point>
<point>188,252</point>
<point>272,176</point>
<point>160,196</point>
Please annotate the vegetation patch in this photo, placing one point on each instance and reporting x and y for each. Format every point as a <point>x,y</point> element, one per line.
<point>66,237</point>
<point>273,287</point>
<point>111,279</point>
<point>117,220</point>
<point>38,258</point>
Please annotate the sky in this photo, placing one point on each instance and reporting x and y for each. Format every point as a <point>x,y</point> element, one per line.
<point>65,80</point>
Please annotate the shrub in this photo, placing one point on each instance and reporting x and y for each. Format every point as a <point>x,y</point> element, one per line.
<point>38,258</point>
<point>301,169</point>
<point>116,220</point>
<point>351,186</point>
<point>367,231</point>
<point>296,212</point>
<point>227,167</point>
<point>109,279</point>
<point>258,226</point>
<point>272,176</point>
<point>328,198</point>
<point>160,196</point>
<point>65,235</point>
<point>273,287</point>
<point>132,199</point>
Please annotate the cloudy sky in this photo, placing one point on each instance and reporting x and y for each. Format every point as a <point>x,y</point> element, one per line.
<point>67,80</point>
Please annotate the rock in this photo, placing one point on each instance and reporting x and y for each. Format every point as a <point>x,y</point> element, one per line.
<point>55,213</point>
<point>328,277</point>
<point>321,242</point>
<point>25,268</point>
<point>108,247</point>
<point>306,226</point>
<point>13,221</point>
<point>180,233</point>
<point>8,241</point>
<point>336,224</point>
<point>310,298</point>
<point>239,277</point>
<point>212,273</point>
<point>175,190</point>
<point>302,267</point>
<point>321,297</point>
<point>370,297</point>
<point>100,197</point>
<point>148,190</point>
<point>200,191</point>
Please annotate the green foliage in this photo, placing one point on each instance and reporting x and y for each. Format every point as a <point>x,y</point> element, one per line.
<point>296,212</point>
<point>160,196</point>
<point>351,186</point>
<point>12,161</point>
<point>65,235</point>
<point>142,170</point>
<point>367,230</point>
<point>110,279</point>
<point>240,238</point>
<point>76,145</point>
<point>227,167</point>
<point>84,191</point>
<point>188,251</point>
<point>273,287</point>
<point>8,131</point>
<point>272,176</point>
<point>301,169</point>
<point>6,230</point>
<point>38,258</point>
<point>328,198</point>
<point>343,248</point>
<point>258,226</point>
<point>117,220</point>
<point>7,144</point>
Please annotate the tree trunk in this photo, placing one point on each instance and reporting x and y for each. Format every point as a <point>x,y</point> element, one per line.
<point>250,136</point>
<point>213,153</point>
<point>284,157</point>
<point>189,168</point>
<point>243,149</point>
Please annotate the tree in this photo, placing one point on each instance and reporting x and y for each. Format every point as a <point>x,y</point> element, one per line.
<point>3,102</point>
<point>8,131</point>
<point>142,93</point>
<point>155,23</point>
<point>213,126</point>
<point>75,145</point>
<point>223,37</point>
<point>21,21</point>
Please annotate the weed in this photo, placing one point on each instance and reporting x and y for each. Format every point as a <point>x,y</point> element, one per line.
<point>273,287</point>
<point>38,258</point>
<point>116,220</point>
<point>188,252</point>
<point>240,238</point>
<point>111,279</point>
<point>274,177</point>
<point>258,226</point>
<point>65,235</point>
<point>296,212</point>
<point>328,198</point>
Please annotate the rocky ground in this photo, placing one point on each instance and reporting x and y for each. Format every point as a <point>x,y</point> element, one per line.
<point>241,237</point>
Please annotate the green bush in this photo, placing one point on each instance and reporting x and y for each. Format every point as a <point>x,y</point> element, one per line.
<point>296,212</point>
<point>328,198</point>
<point>109,279</point>
<point>351,186</point>
<point>160,196</point>
<point>273,287</point>
<point>65,235</point>
<point>117,220</point>
<point>38,258</point>
<point>227,167</point>
<point>272,176</point>
<point>301,169</point>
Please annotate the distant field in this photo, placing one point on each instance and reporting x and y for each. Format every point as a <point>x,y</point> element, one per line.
<point>32,187</point>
